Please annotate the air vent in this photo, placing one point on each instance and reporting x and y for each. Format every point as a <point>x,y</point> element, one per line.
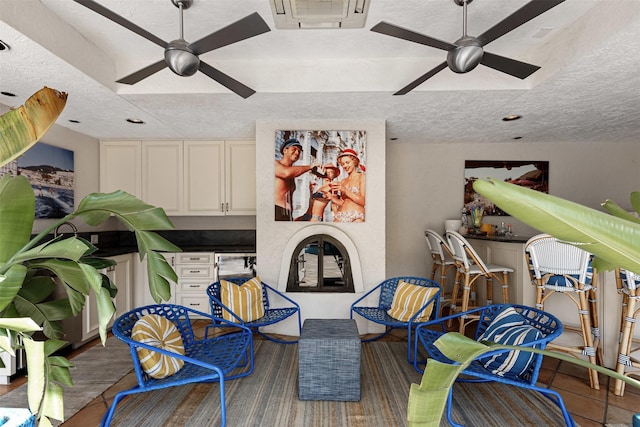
<point>315,14</point>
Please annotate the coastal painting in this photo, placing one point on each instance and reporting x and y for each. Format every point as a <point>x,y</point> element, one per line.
<point>320,175</point>
<point>530,174</point>
<point>50,170</point>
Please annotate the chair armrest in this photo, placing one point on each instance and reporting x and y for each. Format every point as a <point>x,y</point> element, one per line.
<point>377,288</point>
<point>452,316</point>
<point>280,294</point>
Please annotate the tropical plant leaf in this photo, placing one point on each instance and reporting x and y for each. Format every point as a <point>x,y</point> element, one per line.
<point>615,210</point>
<point>34,351</point>
<point>25,125</point>
<point>106,309</point>
<point>21,324</point>
<point>37,288</point>
<point>53,402</point>
<point>160,272</point>
<point>635,201</point>
<point>609,238</point>
<point>135,214</point>
<point>10,284</point>
<point>16,217</point>
<point>72,249</point>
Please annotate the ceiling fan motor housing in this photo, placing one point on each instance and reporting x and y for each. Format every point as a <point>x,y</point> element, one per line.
<point>466,56</point>
<point>180,59</point>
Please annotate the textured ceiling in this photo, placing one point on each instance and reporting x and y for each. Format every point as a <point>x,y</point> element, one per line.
<point>586,91</point>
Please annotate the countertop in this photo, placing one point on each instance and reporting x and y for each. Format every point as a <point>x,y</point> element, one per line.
<point>494,238</point>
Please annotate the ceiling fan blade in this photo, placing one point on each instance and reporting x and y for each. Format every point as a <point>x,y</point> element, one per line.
<point>143,73</point>
<point>249,26</point>
<point>226,81</point>
<point>101,10</point>
<point>517,18</point>
<point>522,70</point>
<point>403,33</point>
<point>417,82</point>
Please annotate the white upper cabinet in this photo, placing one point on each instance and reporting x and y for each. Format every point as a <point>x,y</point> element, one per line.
<point>120,167</point>
<point>183,177</point>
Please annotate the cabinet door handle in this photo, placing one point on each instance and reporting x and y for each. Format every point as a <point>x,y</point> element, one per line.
<point>194,271</point>
<point>194,286</point>
<point>227,207</point>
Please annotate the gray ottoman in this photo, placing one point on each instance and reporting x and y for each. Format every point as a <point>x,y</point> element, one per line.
<point>329,360</point>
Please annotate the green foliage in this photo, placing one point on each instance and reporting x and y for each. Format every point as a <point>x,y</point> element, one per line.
<point>30,270</point>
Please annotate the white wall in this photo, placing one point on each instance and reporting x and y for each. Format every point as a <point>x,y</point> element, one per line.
<point>425,186</point>
<point>369,237</point>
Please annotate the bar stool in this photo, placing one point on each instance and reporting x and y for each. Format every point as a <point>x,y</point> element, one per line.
<point>628,284</point>
<point>560,267</point>
<point>441,259</point>
<point>472,267</point>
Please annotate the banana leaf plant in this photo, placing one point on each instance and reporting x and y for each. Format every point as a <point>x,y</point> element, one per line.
<point>31,268</point>
<point>614,239</point>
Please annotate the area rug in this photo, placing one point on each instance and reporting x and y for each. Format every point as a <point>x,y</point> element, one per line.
<point>269,397</point>
<point>95,370</point>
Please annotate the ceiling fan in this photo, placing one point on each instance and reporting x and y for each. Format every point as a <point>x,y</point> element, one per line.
<point>467,52</point>
<point>182,57</point>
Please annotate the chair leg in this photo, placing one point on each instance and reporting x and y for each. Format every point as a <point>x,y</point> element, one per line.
<point>466,294</point>
<point>489,284</point>
<point>589,349</point>
<point>626,341</point>
<point>454,296</point>
<point>505,288</point>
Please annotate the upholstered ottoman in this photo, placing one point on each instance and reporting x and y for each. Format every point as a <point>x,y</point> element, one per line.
<point>329,360</point>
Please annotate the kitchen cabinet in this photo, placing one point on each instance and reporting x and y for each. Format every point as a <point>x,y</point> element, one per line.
<point>195,272</point>
<point>120,167</point>
<point>183,177</point>
<point>122,275</point>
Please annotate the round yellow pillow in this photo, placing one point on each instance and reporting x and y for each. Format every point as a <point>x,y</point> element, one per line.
<point>159,332</point>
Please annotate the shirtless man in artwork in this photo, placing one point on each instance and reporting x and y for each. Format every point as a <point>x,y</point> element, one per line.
<point>286,174</point>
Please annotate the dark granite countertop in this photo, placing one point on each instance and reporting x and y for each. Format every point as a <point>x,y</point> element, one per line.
<point>510,239</point>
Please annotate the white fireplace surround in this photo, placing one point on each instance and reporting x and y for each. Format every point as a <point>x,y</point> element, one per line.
<point>314,230</point>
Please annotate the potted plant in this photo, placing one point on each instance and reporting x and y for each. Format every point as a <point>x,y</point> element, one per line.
<point>30,267</point>
<point>614,240</point>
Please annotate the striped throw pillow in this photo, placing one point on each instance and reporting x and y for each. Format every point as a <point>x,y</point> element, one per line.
<point>244,300</point>
<point>510,328</point>
<point>159,332</point>
<point>408,299</point>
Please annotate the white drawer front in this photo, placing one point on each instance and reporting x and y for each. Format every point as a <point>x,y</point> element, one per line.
<point>194,258</point>
<point>195,271</point>
<point>196,286</point>
<point>194,302</point>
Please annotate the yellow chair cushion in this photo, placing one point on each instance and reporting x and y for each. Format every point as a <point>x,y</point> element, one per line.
<point>244,300</point>
<point>408,299</point>
<point>159,332</point>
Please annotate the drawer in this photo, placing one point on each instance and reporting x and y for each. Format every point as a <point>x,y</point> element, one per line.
<point>193,301</point>
<point>194,271</point>
<point>193,286</point>
<point>194,258</point>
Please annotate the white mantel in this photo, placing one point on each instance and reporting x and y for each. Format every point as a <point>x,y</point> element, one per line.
<point>369,239</point>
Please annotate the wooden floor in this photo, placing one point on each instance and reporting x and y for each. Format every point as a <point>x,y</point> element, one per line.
<point>588,407</point>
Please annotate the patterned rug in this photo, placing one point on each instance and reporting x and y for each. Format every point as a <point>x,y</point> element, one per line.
<point>95,370</point>
<point>269,397</point>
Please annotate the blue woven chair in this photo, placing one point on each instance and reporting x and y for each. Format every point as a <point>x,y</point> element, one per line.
<point>379,314</point>
<point>520,371</point>
<point>271,315</point>
<point>217,359</point>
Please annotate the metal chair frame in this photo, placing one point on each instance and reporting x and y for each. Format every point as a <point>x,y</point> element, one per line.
<point>217,359</point>
<point>378,314</point>
<point>471,267</point>
<point>549,325</point>
<point>271,314</point>
<point>561,267</point>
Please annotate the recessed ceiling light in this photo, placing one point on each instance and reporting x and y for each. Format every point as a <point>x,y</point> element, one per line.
<point>393,138</point>
<point>517,137</point>
<point>135,121</point>
<point>74,121</point>
<point>3,45</point>
<point>511,117</point>
<point>8,93</point>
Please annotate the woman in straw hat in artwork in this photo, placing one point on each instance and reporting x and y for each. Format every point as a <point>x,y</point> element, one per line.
<point>349,194</point>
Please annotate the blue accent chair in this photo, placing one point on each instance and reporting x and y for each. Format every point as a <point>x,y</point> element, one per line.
<point>215,359</point>
<point>549,328</point>
<point>271,314</point>
<point>378,314</point>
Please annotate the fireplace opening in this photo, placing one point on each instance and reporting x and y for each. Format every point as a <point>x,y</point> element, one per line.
<point>320,263</point>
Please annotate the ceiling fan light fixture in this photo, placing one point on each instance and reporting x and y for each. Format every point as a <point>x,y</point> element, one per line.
<point>466,56</point>
<point>180,59</point>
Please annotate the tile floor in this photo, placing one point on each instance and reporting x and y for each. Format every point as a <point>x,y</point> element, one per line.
<point>588,407</point>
